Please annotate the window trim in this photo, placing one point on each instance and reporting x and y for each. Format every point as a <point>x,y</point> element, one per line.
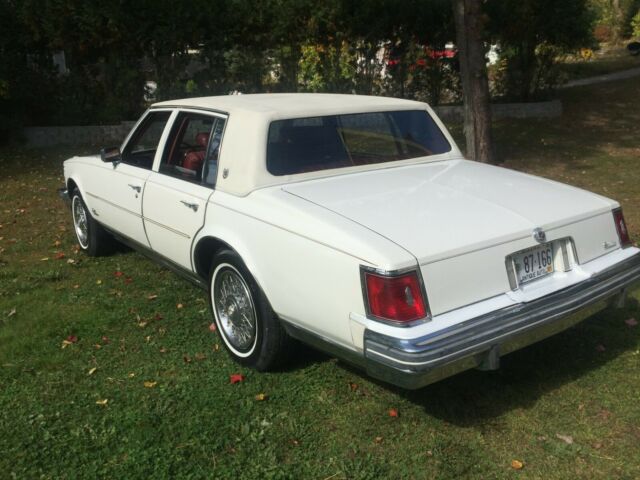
<point>167,133</point>
<point>434,119</point>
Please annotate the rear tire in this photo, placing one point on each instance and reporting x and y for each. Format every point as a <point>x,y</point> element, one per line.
<point>91,236</point>
<point>250,330</point>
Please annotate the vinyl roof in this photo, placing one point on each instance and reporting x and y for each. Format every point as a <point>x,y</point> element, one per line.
<point>293,104</point>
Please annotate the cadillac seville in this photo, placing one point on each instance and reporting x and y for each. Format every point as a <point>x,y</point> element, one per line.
<point>354,224</point>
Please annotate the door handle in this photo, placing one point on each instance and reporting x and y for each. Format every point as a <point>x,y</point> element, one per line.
<point>137,188</point>
<point>192,206</point>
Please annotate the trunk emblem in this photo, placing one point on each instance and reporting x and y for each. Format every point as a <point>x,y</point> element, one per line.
<point>539,235</point>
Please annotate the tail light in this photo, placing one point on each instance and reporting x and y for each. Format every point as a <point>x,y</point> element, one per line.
<point>394,298</point>
<point>621,228</point>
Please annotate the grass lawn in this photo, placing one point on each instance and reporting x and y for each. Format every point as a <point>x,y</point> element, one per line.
<point>608,59</point>
<point>142,390</point>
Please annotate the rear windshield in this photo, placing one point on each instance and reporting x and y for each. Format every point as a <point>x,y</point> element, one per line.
<point>317,143</point>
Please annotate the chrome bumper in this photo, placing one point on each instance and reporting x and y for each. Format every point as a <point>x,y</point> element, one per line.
<point>63,193</point>
<point>479,342</point>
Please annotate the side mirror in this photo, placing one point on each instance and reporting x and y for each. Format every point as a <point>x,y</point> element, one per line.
<point>111,155</point>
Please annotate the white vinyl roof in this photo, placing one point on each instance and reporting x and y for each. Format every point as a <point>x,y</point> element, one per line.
<point>289,105</point>
<point>244,144</point>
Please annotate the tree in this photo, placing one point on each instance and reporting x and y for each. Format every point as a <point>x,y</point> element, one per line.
<point>475,85</point>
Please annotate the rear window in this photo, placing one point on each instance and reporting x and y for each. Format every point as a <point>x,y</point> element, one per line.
<point>317,143</point>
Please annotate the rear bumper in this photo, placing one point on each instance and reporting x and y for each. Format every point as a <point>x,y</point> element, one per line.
<point>479,342</point>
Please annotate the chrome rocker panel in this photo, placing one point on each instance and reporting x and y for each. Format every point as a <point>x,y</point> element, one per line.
<point>479,342</point>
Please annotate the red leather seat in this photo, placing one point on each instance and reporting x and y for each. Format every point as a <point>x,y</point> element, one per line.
<point>194,159</point>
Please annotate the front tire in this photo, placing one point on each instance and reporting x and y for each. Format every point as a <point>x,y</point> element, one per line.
<point>91,236</point>
<point>250,330</point>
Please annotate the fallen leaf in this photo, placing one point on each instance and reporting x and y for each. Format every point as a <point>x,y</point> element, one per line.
<point>236,378</point>
<point>200,356</point>
<point>517,464</point>
<point>97,346</point>
<point>212,327</point>
<point>102,402</point>
<point>153,296</point>
<point>353,386</point>
<point>142,324</point>
<point>216,347</point>
<point>158,316</point>
<point>568,439</point>
<point>105,339</point>
<point>118,273</point>
<point>12,312</point>
<point>600,348</point>
<point>98,282</point>
<point>597,445</point>
<point>186,359</point>
<point>72,339</point>
<point>631,322</point>
<point>179,306</point>
<point>76,286</point>
<point>128,280</point>
<point>60,256</point>
<point>261,397</point>
<point>71,261</point>
<point>66,343</point>
<point>378,439</point>
<point>393,412</point>
<point>92,371</point>
<point>131,375</point>
<point>149,384</point>
<point>44,259</point>
<point>163,350</point>
<point>57,243</point>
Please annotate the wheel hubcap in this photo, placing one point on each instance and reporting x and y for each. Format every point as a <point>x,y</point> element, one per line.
<point>80,222</point>
<point>235,310</point>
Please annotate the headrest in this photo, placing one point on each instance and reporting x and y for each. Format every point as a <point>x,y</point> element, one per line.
<point>202,139</point>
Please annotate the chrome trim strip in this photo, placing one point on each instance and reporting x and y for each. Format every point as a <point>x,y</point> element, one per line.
<point>114,205</point>
<point>159,258</point>
<point>145,219</point>
<point>412,362</point>
<point>172,230</point>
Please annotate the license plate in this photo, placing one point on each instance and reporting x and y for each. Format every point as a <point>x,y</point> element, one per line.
<point>533,263</point>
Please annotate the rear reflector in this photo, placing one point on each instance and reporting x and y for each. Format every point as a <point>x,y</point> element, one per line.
<point>395,298</point>
<point>621,228</point>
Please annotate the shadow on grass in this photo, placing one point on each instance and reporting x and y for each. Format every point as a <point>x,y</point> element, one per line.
<point>472,397</point>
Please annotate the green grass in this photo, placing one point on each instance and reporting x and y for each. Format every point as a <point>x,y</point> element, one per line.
<point>321,419</point>
<point>608,59</point>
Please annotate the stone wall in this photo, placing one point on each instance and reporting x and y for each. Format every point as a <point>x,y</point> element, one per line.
<point>103,135</point>
<point>111,135</point>
<point>550,109</point>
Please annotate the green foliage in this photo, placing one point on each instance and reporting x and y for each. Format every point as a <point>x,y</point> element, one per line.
<point>635,24</point>
<point>613,18</point>
<point>531,35</point>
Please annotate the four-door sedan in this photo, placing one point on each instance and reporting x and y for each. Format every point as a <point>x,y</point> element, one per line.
<point>354,224</point>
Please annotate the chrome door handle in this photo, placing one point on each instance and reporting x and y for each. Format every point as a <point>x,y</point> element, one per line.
<point>192,206</point>
<point>137,188</point>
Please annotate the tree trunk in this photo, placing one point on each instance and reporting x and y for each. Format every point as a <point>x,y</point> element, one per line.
<point>475,84</point>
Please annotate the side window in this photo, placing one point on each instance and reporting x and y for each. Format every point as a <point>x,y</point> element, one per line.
<point>193,147</point>
<point>141,148</point>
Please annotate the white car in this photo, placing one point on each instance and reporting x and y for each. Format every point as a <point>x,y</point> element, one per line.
<point>354,224</point>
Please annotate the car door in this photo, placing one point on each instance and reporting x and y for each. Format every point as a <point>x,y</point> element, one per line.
<point>177,191</point>
<point>118,192</point>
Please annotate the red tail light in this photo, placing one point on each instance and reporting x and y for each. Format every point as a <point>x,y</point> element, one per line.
<point>621,227</point>
<point>394,298</point>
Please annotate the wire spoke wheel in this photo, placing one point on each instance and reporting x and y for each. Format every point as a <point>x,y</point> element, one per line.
<point>235,309</point>
<point>80,222</point>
